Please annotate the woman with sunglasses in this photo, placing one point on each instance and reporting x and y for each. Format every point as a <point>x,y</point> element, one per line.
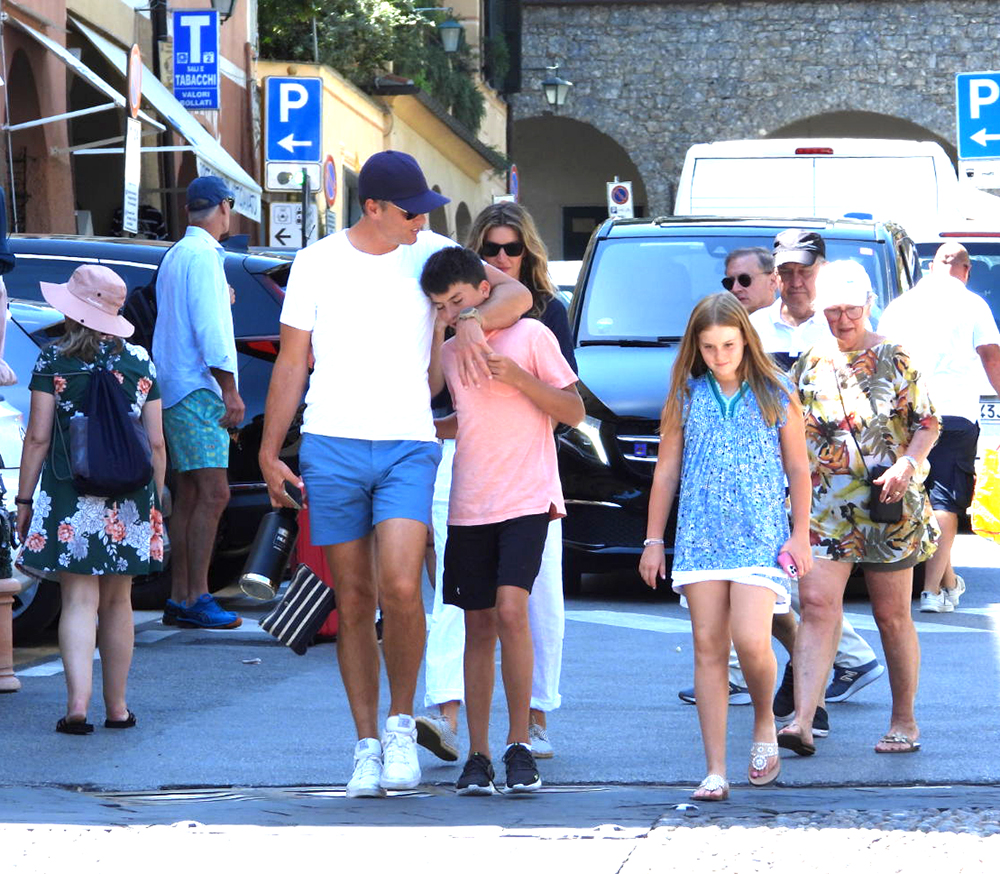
<point>505,236</point>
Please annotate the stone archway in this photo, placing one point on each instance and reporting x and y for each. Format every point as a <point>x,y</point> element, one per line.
<point>438,219</point>
<point>463,223</point>
<point>28,149</point>
<point>567,197</point>
<point>856,123</point>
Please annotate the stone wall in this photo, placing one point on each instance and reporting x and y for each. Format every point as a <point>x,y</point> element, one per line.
<point>659,77</point>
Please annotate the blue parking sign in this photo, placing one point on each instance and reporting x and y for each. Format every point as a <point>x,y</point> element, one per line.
<point>292,118</point>
<point>977,103</point>
<point>196,58</point>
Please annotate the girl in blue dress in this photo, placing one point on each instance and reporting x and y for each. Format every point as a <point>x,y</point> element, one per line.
<point>730,434</point>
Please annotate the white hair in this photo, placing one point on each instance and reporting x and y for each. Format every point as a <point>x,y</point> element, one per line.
<point>199,216</point>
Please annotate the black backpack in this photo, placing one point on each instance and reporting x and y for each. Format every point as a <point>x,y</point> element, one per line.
<point>140,309</point>
<point>109,450</point>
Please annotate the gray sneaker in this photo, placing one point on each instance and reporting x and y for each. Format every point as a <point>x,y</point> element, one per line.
<point>952,595</point>
<point>541,746</point>
<point>434,733</point>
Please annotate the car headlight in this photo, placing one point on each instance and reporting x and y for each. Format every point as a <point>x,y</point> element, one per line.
<point>586,439</point>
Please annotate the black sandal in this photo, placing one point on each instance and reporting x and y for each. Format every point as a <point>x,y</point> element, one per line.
<point>74,727</point>
<point>127,722</point>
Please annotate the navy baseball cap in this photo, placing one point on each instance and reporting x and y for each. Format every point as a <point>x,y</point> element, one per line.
<point>207,191</point>
<point>801,247</point>
<point>396,177</point>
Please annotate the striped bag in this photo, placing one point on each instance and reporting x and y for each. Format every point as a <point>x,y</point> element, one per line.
<point>301,612</point>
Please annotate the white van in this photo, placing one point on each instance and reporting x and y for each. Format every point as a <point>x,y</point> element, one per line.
<point>905,181</point>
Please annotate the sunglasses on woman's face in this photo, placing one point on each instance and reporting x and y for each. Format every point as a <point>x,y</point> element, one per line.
<point>491,250</point>
<point>853,313</point>
<point>744,279</point>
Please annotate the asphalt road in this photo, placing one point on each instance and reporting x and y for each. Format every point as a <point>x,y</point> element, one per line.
<point>208,718</point>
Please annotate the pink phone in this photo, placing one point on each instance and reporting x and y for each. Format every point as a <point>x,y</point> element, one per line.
<point>787,564</point>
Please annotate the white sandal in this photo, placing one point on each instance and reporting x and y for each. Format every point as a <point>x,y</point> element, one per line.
<point>712,783</point>
<point>760,752</point>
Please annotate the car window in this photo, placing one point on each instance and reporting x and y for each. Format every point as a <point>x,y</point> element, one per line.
<point>646,288</point>
<point>258,300</point>
<point>22,281</point>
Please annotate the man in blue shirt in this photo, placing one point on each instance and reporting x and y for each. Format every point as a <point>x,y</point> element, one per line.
<point>194,350</point>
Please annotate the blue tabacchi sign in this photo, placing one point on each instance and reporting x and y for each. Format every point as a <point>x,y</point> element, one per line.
<point>196,58</point>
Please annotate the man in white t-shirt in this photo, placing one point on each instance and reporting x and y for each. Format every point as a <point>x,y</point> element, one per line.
<point>952,337</point>
<point>369,452</point>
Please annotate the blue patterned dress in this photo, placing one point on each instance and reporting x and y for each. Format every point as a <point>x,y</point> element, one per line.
<point>731,518</point>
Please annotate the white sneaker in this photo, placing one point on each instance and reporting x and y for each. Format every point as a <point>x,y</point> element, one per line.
<point>364,782</point>
<point>400,769</point>
<point>538,738</point>
<point>952,595</point>
<point>434,733</point>
<point>931,603</point>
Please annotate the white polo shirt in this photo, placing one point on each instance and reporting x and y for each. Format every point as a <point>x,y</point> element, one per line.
<point>940,323</point>
<point>778,336</point>
<point>372,328</point>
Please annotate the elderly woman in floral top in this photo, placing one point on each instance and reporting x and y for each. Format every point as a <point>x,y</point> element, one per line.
<point>94,544</point>
<point>865,406</point>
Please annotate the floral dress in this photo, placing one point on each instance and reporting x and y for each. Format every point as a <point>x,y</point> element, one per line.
<point>886,403</point>
<point>85,534</point>
<point>731,519</point>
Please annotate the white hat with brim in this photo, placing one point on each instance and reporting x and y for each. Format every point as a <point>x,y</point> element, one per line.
<point>843,283</point>
<point>92,296</point>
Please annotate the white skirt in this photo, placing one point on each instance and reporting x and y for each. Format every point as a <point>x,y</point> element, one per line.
<point>770,578</point>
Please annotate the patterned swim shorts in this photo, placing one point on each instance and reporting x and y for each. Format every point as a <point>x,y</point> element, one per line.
<point>194,436</point>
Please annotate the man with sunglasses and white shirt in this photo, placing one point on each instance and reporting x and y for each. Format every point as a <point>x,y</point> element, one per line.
<point>369,451</point>
<point>750,277</point>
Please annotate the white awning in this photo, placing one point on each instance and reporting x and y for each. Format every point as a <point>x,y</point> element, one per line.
<point>85,73</point>
<point>212,157</point>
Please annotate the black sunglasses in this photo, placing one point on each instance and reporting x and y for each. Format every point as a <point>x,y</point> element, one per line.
<point>409,216</point>
<point>491,250</point>
<point>231,201</point>
<point>743,279</point>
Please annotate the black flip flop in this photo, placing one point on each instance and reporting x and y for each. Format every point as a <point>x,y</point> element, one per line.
<point>127,722</point>
<point>75,727</point>
<point>789,741</point>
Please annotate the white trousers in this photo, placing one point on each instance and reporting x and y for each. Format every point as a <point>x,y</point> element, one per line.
<point>443,663</point>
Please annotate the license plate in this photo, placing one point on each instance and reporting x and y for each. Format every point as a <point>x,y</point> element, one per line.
<point>989,412</point>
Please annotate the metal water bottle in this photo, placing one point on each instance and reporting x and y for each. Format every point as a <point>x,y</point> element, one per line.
<point>269,553</point>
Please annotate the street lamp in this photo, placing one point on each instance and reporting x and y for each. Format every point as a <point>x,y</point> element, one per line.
<point>555,87</point>
<point>450,30</point>
<point>225,8</point>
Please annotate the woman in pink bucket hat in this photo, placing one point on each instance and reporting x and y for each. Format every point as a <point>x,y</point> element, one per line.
<point>94,545</point>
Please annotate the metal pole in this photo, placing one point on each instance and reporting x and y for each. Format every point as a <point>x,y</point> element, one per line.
<point>158,18</point>
<point>305,208</point>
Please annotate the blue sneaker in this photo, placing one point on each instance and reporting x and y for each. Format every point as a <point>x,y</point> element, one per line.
<point>206,613</point>
<point>847,681</point>
<point>171,612</point>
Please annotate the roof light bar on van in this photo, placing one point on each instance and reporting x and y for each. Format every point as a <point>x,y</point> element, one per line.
<point>814,150</point>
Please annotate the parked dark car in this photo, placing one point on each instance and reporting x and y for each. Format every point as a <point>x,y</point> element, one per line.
<point>638,284</point>
<point>259,283</point>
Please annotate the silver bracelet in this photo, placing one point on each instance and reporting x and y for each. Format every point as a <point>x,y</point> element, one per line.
<point>909,458</point>
<point>650,541</point>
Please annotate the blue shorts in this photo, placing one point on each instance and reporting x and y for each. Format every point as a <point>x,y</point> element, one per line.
<point>352,485</point>
<point>194,435</point>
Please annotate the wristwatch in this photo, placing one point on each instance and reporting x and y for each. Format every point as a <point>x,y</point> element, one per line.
<point>471,313</point>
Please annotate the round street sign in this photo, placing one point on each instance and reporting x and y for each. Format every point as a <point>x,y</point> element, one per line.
<point>330,181</point>
<point>134,80</point>
<point>619,194</point>
<point>514,182</point>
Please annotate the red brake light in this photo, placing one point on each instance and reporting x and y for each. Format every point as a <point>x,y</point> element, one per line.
<point>969,234</point>
<point>815,150</point>
<point>268,347</point>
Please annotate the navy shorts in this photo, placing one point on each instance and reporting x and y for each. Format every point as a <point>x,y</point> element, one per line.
<point>952,478</point>
<point>478,559</point>
<point>352,485</point>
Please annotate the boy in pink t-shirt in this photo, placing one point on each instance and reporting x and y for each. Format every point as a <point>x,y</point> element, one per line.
<point>505,489</point>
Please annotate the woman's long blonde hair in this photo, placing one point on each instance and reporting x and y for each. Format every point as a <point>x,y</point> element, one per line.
<point>82,342</point>
<point>757,369</point>
<point>535,266</point>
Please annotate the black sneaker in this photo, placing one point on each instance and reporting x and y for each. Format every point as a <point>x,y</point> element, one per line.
<point>784,698</point>
<point>477,777</point>
<point>522,772</point>
<point>821,723</point>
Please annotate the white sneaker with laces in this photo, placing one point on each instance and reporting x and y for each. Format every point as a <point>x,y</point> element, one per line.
<point>952,595</point>
<point>538,738</point>
<point>935,603</point>
<point>400,768</point>
<point>364,782</point>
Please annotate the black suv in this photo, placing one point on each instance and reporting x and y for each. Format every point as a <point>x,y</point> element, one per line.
<point>259,282</point>
<point>638,284</point>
